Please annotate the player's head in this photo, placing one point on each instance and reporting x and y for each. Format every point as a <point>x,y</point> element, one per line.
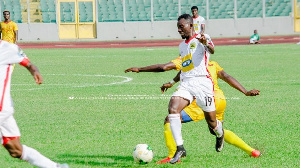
<point>194,10</point>
<point>185,25</point>
<point>6,14</point>
<point>255,31</point>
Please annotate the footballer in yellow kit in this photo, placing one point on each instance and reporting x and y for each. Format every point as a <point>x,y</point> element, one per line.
<point>195,113</point>
<point>8,29</point>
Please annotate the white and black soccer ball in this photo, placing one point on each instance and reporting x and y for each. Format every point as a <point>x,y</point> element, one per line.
<point>142,154</point>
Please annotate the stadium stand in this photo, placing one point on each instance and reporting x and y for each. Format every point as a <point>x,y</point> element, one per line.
<point>140,10</point>
<point>164,10</point>
<point>14,7</point>
<point>48,9</point>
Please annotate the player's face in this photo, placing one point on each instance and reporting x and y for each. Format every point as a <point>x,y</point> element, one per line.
<point>6,15</point>
<point>184,28</point>
<point>194,12</point>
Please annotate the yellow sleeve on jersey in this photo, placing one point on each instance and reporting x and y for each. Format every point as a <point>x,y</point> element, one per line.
<point>15,26</point>
<point>218,67</point>
<point>177,62</point>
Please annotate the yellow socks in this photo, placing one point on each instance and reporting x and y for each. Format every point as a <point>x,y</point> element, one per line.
<point>170,142</point>
<point>229,137</point>
<point>233,139</point>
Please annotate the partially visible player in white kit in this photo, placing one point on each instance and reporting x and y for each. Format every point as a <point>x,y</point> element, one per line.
<point>195,83</point>
<point>11,54</point>
<point>198,21</point>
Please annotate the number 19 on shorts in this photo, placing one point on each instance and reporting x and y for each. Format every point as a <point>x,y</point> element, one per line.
<point>208,101</point>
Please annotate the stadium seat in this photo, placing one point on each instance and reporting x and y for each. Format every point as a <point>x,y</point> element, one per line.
<point>52,16</point>
<point>82,17</point>
<point>147,3</point>
<point>45,17</point>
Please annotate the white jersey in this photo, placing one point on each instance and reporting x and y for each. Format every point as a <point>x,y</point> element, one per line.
<point>194,57</point>
<point>9,54</point>
<point>197,22</point>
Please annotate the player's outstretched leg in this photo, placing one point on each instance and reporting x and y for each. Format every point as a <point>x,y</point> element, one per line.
<point>23,152</point>
<point>180,153</point>
<point>36,159</point>
<point>233,139</point>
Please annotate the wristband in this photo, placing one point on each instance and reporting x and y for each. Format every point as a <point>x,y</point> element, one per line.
<point>172,82</point>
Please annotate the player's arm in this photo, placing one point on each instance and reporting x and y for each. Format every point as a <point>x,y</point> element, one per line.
<point>16,36</point>
<point>168,85</point>
<point>34,72</point>
<point>202,28</point>
<point>153,68</point>
<point>210,48</point>
<point>235,84</point>
<point>203,40</point>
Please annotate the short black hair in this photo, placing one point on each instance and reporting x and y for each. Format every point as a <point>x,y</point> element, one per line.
<point>187,17</point>
<point>194,7</point>
<point>6,11</point>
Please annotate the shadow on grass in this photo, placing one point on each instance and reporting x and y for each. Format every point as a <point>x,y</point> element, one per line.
<point>97,160</point>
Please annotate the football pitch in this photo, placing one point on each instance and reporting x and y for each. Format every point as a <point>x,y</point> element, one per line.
<point>89,113</point>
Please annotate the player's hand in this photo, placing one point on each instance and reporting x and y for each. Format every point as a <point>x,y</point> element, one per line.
<point>253,92</point>
<point>202,39</point>
<point>132,69</point>
<point>38,78</point>
<point>165,87</point>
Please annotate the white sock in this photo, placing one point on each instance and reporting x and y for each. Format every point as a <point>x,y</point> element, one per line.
<point>175,124</point>
<point>36,159</point>
<point>218,129</point>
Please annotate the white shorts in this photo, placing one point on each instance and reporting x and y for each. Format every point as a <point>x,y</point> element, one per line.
<point>201,88</point>
<point>8,125</point>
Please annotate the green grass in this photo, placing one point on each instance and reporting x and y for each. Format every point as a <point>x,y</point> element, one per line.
<point>86,115</point>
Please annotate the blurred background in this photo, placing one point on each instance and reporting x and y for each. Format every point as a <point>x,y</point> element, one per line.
<point>56,20</point>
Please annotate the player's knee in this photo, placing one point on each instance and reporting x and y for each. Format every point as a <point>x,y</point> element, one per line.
<point>173,110</point>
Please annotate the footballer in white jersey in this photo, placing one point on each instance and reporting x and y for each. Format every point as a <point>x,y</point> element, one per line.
<point>198,23</point>
<point>11,54</point>
<point>195,84</point>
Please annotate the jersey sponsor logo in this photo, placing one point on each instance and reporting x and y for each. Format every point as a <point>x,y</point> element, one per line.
<point>193,46</point>
<point>186,63</point>
<point>195,26</point>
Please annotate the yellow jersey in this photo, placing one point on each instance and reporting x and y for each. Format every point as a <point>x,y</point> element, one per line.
<point>8,31</point>
<point>193,110</point>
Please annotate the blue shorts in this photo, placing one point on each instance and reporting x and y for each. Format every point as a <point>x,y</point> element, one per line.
<point>185,117</point>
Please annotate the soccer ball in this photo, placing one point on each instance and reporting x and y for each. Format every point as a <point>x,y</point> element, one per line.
<point>142,154</point>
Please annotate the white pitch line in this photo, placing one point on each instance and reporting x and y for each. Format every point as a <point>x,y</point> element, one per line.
<point>81,56</point>
<point>126,79</point>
